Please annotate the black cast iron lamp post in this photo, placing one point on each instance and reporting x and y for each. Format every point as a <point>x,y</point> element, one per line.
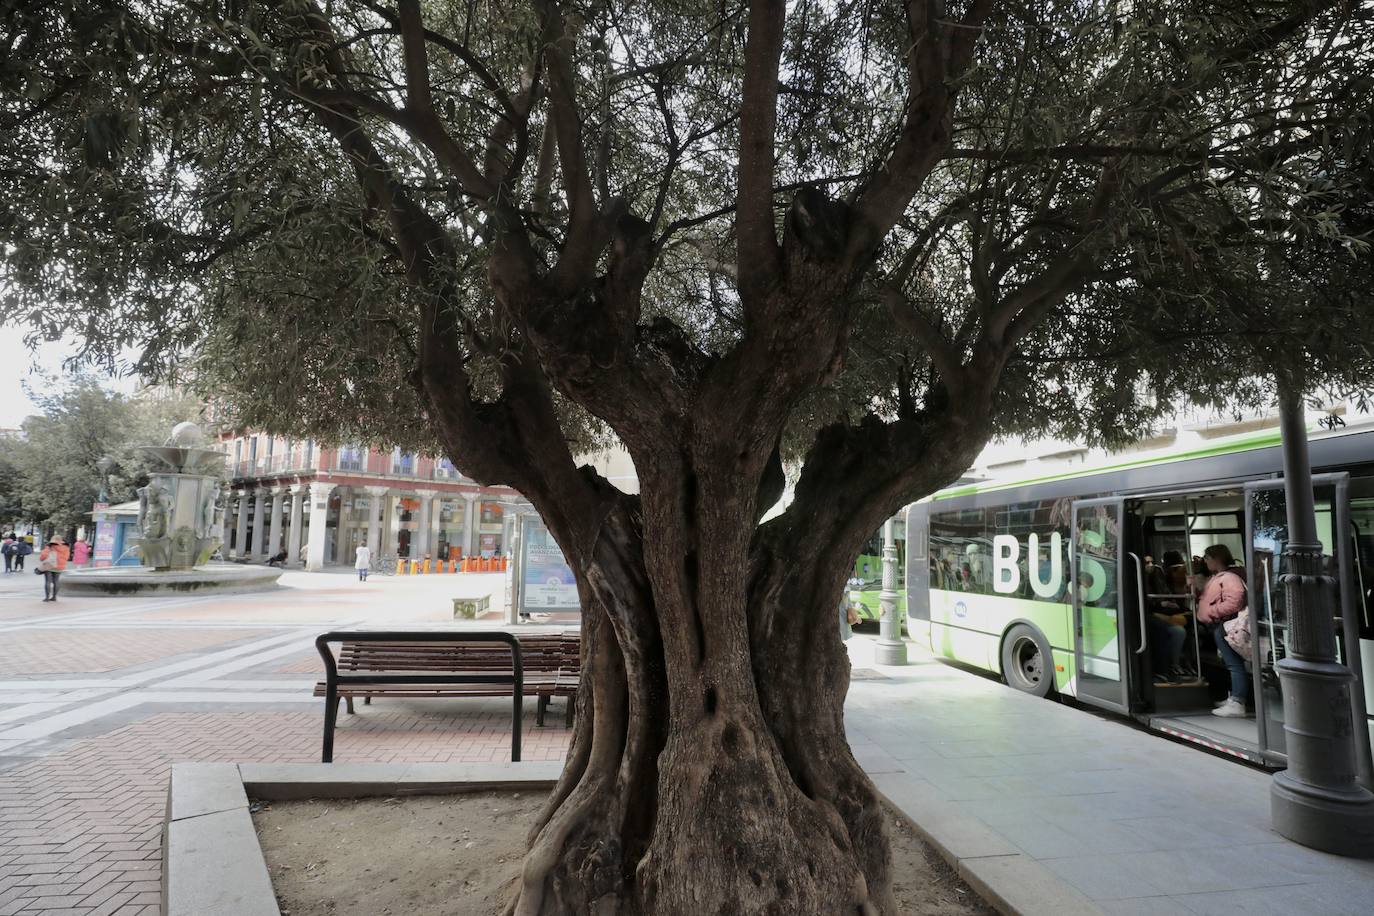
<point>1316,801</point>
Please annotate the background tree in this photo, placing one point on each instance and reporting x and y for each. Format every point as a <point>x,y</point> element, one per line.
<point>865,235</point>
<point>55,478</point>
<point>11,513</point>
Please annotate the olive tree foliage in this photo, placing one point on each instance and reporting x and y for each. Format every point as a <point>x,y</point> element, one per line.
<point>862,236</point>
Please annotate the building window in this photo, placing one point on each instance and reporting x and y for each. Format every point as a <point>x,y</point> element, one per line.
<point>351,458</point>
<point>490,528</point>
<point>402,462</point>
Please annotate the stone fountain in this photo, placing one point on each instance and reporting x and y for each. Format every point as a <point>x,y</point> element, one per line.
<point>180,517</point>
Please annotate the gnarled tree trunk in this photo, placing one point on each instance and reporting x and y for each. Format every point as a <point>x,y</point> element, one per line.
<point>709,770</point>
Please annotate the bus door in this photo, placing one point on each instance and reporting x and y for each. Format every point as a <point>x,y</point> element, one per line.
<point>1266,524</point>
<point>1098,566</point>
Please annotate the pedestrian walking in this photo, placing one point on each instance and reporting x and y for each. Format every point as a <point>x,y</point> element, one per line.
<point>22,548</point>
<point>8,550</point>
<point>848,618</point>
<point>362,561</point>
<point>52,560</point>
<point>81,553</point>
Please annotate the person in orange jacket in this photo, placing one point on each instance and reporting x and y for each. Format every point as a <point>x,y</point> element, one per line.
<point>52,560</point>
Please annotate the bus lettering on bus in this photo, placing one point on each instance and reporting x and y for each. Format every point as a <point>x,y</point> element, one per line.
<point>1006,566</point>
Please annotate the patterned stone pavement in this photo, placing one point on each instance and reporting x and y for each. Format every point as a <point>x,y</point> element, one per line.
<point>98,697</point>
<point>59,651</point>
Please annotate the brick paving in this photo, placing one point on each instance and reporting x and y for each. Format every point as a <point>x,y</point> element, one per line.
<point>59,651</point>
<point>306,664</point>
<point>80,832</point>
<point>85,754</point>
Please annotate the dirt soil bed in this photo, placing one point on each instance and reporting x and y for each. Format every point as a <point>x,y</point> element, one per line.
<point>449,854</point>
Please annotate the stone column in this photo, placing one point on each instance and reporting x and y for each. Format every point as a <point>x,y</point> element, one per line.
<point>422,532</point>
<point>507,528</point>
<point>319,520</point>
<point>391,522</point>
<point>376,503</point>
<point>228,522</point>
<point>470,526</point>
<point>435,523</point>
<point>274,528</point>
<point>259,522</point>
<point>241,520</point>
<point>299,493</point>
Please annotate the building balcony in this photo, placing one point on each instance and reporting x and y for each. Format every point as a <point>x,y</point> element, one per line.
<point>412,470</point>
<point>275,465</point>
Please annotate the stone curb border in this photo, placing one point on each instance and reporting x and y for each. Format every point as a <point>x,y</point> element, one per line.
<point>1010,881</point>
<point>212,863</point>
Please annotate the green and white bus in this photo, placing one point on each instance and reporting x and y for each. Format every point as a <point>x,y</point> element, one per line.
<point>1048,582</point>
<point>865,586</point>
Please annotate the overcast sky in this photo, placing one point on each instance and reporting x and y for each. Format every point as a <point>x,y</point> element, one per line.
<point>23,368</point>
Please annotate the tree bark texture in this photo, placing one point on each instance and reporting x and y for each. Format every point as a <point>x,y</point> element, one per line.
<point>709,770</point>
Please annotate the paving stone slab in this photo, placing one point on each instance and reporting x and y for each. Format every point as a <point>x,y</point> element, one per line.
<point>956,835</point>
<point>285,781</point>
<point>214,867</point>
<point>1018,884</point>
<point>1013,883</point>
<point>204,788</point>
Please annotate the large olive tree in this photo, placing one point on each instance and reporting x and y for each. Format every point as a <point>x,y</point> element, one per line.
<point>862,236</point>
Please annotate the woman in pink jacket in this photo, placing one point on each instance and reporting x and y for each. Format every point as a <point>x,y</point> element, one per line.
<point>1223,597</point>
<point>52,561</point>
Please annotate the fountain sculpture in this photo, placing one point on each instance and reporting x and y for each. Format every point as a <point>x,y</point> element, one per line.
<point>180,517</point>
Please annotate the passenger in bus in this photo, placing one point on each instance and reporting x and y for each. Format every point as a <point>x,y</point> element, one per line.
<point>1175,573</point>
<point>1223,597</point>
<point>1168,626</point>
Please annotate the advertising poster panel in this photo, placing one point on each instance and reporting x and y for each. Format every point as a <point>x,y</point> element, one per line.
<point>104,543</point>
<point>546,580</point>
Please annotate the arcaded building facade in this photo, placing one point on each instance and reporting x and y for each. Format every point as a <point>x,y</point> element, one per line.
<point>319,504</point>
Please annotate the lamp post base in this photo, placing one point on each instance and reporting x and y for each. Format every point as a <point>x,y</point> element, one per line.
<point>889,652</point>
<point>1340,822</point>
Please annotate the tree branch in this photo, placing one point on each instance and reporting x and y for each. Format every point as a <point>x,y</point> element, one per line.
<point>943,354</point>
<point>938,54</point>
<point>578,259</point>
<point>756,235</point>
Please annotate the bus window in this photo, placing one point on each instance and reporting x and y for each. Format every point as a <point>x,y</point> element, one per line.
<point>1018,551</point>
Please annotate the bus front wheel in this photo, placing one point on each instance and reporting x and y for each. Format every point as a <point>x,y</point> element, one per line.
<point>1026,661</point>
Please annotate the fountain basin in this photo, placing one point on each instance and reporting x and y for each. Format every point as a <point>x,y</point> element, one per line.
<point>218,578</point>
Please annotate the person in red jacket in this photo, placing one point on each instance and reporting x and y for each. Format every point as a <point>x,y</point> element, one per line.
<point>1223,597</point>
<point>51,561</point>
<point>81,552</point>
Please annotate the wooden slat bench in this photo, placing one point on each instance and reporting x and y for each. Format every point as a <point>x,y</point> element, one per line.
<point>446,664</point>
<point>568,646</point>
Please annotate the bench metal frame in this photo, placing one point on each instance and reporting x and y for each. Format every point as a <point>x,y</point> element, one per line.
<point>333,678</point>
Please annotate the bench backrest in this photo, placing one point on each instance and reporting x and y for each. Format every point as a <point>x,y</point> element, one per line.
<point>543,652</point>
